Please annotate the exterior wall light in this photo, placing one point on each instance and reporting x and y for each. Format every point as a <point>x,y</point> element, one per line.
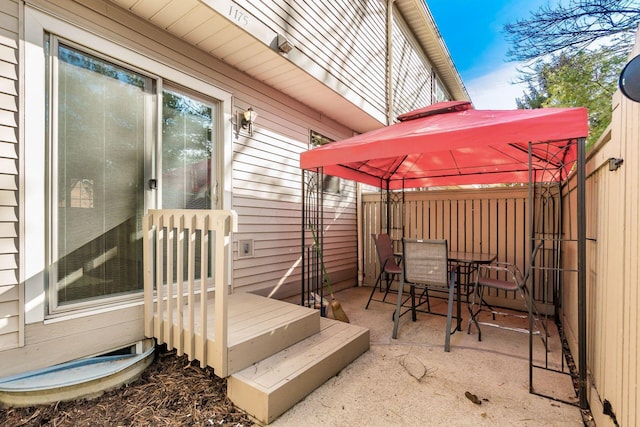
<point>284,45</point>
<point>614,164</point>
<point>247,118</point>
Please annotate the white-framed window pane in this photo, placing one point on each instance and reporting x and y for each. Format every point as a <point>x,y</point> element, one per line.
<point>187,152</point>
<point>98,174</point>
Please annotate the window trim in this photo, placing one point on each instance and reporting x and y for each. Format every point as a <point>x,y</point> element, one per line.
<point>34,153</point>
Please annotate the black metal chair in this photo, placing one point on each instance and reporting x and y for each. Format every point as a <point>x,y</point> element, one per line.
<point>515,282</point>
<point>425,265</point>
<point>389,265</point>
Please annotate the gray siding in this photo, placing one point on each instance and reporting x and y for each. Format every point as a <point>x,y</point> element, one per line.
<point>11,300</point>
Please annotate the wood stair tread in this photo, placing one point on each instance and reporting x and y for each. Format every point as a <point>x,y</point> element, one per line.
<point>268,388</point>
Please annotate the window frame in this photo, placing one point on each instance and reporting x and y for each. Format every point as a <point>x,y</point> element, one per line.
<point>35,199</point>
<point>330,184</point>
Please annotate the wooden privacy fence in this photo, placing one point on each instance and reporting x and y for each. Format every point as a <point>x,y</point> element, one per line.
<point>186,257</point>
<point>613,270</point>
<point>487,220</point>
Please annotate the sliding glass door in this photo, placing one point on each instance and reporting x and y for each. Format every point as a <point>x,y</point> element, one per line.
<point>105,154</point>
<point>98,164</point>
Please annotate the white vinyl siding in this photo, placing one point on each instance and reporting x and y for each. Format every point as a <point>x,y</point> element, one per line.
<point>265,179</point>
<point>188,43</point>
<point>412,77</point>
<point>11,300</point>
<point>267,197</point>
<point>345,38</point>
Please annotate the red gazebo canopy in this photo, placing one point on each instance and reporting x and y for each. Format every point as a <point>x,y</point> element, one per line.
<point>449,143</point>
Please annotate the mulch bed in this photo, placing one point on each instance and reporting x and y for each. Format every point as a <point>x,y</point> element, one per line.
<point>171,392</point>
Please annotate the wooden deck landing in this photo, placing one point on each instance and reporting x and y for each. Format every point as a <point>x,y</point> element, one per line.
<point>278,352</point>
<point>257,328</point>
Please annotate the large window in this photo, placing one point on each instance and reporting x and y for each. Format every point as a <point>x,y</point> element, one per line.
<point>330,184</point>
<point>103,117</point>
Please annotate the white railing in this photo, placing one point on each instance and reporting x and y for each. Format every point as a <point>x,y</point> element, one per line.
<point>186,257</point>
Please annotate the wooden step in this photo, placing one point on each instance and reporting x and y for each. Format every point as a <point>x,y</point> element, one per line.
<point>268,388</point>
<point>260,327</point>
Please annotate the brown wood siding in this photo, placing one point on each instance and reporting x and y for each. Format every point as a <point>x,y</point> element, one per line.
<point>11,293</point>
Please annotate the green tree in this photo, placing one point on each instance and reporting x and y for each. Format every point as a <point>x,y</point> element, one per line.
<point>577,49</point>
<point>580,79</point>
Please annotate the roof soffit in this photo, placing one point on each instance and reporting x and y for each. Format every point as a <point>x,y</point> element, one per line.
<point>252,52</point>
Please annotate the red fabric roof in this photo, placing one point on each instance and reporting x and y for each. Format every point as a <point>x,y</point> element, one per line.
<point>451,144</point>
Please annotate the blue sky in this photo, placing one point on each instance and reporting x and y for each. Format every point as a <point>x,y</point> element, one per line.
<point>473,33</point>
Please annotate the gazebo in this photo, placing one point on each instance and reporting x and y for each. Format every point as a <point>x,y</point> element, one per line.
<point>450,143</point>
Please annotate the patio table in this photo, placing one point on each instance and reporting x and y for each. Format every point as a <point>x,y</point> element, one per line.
<point>466,263</point>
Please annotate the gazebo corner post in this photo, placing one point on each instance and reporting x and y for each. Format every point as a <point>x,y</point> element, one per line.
<point>402,211</point>
<point>311,222</point>
<point>582,278</point>
<point>302,237</point>
<point>529,239</point>
<point>321,268</point>
<point>388,215</point>
<point>388,206</point>
<point>360,234</point>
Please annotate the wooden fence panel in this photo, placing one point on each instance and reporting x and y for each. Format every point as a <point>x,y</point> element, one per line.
<point>492,220</point>
<point>613,272</point>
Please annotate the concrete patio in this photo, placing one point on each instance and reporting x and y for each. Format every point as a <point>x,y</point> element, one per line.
<point>411,381</point>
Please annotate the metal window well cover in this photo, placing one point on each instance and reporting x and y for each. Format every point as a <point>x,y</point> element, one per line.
<point>450,143</point>
<point>78,378</point>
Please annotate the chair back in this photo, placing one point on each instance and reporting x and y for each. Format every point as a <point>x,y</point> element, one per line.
<point>426,262</point>
<point>384,249</point>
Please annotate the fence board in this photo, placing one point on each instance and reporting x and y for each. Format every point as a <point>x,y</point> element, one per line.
<point>492,220</point>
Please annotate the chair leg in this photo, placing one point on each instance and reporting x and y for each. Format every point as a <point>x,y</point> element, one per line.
<point>396,317</point>
<point>373,291</point>
<point>412,290</point>
<point>473,314</point>
<point>389,281</point>
<point>447,338</point>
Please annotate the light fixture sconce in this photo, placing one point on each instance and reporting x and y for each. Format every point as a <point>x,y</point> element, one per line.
<point>614,163</point>
<point>247,118</point>
<point>284,45</point>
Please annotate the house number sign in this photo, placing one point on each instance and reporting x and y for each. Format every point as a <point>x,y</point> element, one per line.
<point>238,15</point>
